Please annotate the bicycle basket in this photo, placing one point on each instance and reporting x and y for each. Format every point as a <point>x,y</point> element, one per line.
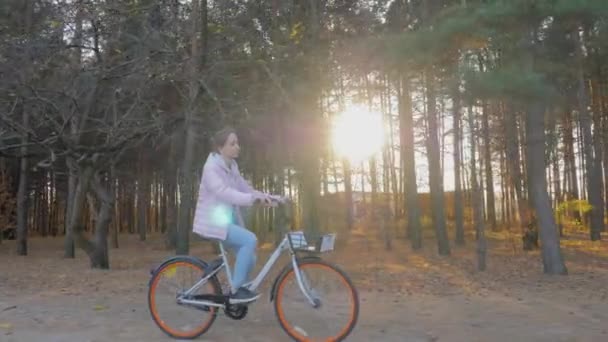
<point>320,243</point>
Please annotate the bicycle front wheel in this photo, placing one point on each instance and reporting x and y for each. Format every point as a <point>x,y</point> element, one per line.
<point>335,311</point>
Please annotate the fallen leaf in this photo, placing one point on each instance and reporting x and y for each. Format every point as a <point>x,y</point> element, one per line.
<point>99,307</point>
<point>6,326</point>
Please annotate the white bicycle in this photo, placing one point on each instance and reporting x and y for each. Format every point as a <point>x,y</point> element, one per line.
<point>201,296</point>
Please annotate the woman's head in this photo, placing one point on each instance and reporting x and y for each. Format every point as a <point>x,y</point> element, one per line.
<point>226,143</point>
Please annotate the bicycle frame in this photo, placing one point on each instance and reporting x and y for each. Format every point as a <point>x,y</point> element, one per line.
<point>255,283</point>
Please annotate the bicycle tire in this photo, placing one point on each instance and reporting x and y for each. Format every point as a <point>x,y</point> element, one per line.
<point>200,329</point>
<point>311,262</point>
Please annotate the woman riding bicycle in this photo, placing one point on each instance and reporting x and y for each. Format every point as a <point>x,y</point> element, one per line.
<point>222,191</point>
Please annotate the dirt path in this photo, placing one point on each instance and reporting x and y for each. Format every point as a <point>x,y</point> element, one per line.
<point>405,318</point>
<point>405,296</point>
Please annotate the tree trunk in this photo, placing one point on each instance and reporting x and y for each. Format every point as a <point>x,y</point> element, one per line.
<point>325,175</point>
<point>53,220</point>
<point>171,217</point>
<point>22,193</point>
<point>385,225</point>
<point>487,152</point>
<point>311,184</point>
<point>130,207</point>
<point>605,157</point>
<point>386,183</point>
<point>477,200</point>
<point>163,204</point>
<point>569,158</point>
<point>44,213</point>
<point>311,116</point>
<point>99,255</point>
<point>553,262</point>
<point>524,159</point>
<point>530,236</point>
<point>142,206</point>
<point>374,185</point>
<point>348,193</point>
<point>116,208</point>
<point>504,201</point>
<point>69,244</point>
<point>78,200</point>
<point>435,173</point>
<point>553,159</point>
<point>558,191</point>
<point>97,251</point>
<point>391,153</point>
<point>458,198</point>
<point>513,200</point>
<point>592,157</point>
<point>582,179</point>
<point>598,172</point>
<point>170,194</point>
<point>185,204</point>
<point>204,32</point>
<point>604,109</point>
<point>513,160</point>
<point>406,129</point>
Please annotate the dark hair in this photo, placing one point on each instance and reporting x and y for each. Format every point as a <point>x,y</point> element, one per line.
<point>220,137</point>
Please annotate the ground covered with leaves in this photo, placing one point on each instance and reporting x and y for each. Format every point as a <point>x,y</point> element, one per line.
<point>405,295</point>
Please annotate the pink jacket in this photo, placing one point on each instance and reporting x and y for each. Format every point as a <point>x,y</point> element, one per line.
<point>221,192</point>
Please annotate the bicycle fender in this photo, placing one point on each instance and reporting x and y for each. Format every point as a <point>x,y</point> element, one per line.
<point>174,258</point>
<point>286,269</point>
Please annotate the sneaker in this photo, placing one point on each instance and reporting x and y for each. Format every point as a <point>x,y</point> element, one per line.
<point>243,295</point>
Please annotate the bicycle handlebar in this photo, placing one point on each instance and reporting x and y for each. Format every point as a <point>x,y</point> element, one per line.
<point>275,200</point>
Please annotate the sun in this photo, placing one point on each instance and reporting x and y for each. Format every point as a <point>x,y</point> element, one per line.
<point>357,133</point>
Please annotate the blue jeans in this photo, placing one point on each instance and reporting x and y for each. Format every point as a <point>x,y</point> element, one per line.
<point>244,242</point>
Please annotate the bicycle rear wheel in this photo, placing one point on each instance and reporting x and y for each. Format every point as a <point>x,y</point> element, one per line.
<point>167,284</point>
<point>336,309</point>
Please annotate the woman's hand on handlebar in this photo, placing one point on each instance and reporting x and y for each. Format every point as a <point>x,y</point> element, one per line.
<point>264,200</point>
<point>279,199</point>
<point>268,200</point>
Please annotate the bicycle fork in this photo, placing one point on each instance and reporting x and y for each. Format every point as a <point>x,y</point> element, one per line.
<point>304,285</point>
